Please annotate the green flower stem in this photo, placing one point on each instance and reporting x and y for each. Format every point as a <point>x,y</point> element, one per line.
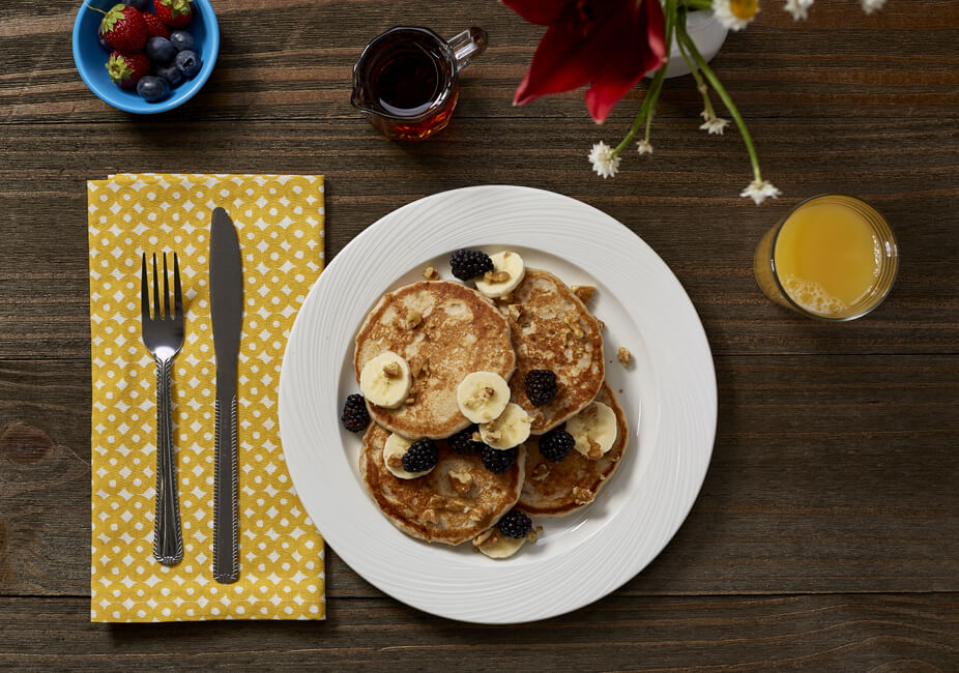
<point>697,4</point>
<point>700,84</point>
<point>683,36</point>
<point>648,107</point>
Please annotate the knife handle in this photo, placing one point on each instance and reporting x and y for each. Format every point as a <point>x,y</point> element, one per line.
<point>226,523</point>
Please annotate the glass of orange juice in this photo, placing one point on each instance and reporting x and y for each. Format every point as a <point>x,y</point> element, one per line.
<point>833,257</point>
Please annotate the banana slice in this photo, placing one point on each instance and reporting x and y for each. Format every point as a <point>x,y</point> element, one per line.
<point>496,545</point>
<point>394,449</point>
<point>507,274</point>
<point>594,429</point>
<point>509,429</point>
<point>482,396</point>
<point>385,380</point>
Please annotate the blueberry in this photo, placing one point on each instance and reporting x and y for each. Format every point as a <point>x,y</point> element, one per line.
<point>142,5</point>
<point>188,63</point>
<point>182,40</point>
<point>153,89</point>
<point>171,74</point>
<point>103,41</point>
<point>159,50</point>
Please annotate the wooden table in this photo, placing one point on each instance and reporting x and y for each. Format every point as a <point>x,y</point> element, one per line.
<point>826,535</point>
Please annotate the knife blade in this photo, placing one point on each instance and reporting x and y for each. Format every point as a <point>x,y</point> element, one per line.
<point>226,308</point>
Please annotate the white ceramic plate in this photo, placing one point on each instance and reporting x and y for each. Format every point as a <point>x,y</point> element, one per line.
<point>671,385</point>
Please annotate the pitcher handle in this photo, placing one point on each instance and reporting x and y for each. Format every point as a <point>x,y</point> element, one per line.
<point>468,45</point>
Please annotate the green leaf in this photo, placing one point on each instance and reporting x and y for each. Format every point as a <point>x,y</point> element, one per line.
<point>109,21</point>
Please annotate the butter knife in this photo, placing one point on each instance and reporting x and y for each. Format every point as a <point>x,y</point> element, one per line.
<point>226,307</point>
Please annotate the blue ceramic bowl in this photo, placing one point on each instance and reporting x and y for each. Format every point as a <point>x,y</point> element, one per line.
<point>91,59</point>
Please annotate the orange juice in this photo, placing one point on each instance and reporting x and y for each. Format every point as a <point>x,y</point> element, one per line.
<point>827,258</point>
<point>833,257</point>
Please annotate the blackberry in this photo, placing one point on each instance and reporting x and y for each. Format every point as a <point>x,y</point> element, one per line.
<point>540,386</point>
<point>355,415</point>
<point>556,444</point>
<point>462,442</point>
<point>421,456</point>
<point>515,524</point>
<point>497,461</point>
<point>467,264</point>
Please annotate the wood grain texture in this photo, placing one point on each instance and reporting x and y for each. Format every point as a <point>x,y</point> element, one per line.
<point>298,64</point>
<point>683,201</point>
<point>824,633</point>
<point>826,535</point>
<point>830,474</point>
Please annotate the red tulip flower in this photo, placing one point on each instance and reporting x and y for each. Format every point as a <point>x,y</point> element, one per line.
<point>607,44</point>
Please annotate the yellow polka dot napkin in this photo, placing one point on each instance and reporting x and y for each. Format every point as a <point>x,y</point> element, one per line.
<point>279,219</point>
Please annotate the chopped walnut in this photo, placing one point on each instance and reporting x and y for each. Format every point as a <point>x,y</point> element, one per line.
<point>430,516</point>
<point>413,319</point>
<point>540,472</point>
<point>574,325</point>
<point>411,397</point>
<point>624,356</point>
<point>496,277</point>
<point>477,437</point>
<point>416,365</point>
<point>479,397</point>
<point>395,461</point>
<point>584,292</point>
<point>494,435</point>
<point>514,311</point>
<point>532,536</point>
<point>595,451</point>
<point>391,370</point>
<point>477,514</point>
<point>461,481</point>
<point>431,274</point>
<point>582,496</point>
<point>601,324</point>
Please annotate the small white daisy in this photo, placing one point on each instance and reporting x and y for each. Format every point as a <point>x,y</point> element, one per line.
<point>605,163</point>
<point>870,6</point>
<point>760,190</point>
<point>644,147</point>
<point>799,8</point>
<point>735,14</point>
<point>715,126</point>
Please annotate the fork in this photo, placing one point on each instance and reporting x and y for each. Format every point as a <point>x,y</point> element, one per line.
<point>163,337</point>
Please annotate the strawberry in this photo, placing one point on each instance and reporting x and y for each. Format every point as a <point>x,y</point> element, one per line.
<point>127,67</point>
<point>155,27</point>
<point>174,12</point>
<point>124,28</point>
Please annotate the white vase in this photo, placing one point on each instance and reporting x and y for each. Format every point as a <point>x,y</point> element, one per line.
<point>707,34</point>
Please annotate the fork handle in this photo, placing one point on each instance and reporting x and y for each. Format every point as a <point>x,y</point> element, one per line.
<point>167,536</point>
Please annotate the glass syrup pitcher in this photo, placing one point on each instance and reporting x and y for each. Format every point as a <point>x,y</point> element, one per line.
<point>406,80</point>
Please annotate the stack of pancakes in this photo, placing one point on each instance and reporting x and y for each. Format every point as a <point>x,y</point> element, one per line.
<point>445,331</point>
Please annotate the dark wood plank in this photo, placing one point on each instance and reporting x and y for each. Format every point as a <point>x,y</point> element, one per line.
<point>826,633</point>
<point>691,216</point>
<point>298,64</point>
<point>829,475</point>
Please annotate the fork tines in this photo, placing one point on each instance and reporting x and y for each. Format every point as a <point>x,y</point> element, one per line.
<point>145,294</point>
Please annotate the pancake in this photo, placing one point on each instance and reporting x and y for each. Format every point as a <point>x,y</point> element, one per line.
<point>552,329</point>
<point>436,507</point>
<point>451,328</point>
<point>557,489</point>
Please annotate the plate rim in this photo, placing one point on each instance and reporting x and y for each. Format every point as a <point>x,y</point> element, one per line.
<point>367,238</point>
